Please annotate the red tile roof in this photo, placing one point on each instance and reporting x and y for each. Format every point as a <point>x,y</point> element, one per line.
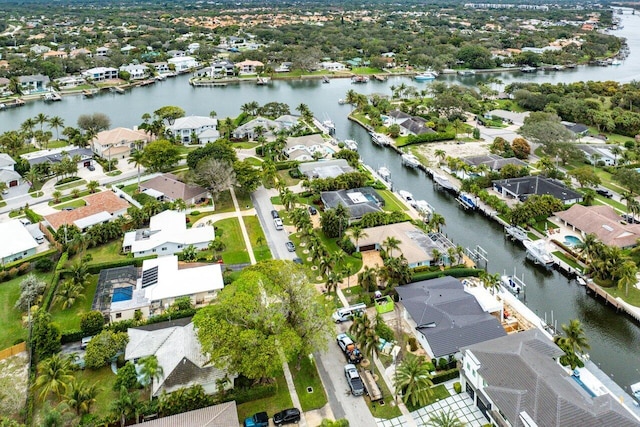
<point>105,201</point>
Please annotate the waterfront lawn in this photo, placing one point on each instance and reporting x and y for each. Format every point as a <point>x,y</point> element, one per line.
<point>439,392</point>
<point>308,376</point>
<point>256,236</point>
<point>568,260</point>
<point>271,405</point>
<point>633,297</point>
<point>366,70</point>
<point>228,231</point>
<point>70,318</point>
<point>391,202</point>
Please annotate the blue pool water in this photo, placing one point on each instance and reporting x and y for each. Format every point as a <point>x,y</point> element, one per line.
<point>122,294</point>
<point>329,150</point>
<point>572,241</point>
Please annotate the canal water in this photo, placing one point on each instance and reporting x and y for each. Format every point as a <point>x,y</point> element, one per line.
<point>614,337</point>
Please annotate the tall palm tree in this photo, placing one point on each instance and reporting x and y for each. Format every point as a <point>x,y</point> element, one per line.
<point>81,396</point>
<point>627,275</point>
<point>41,119</point>
<point>79,273</point>
<point>150,370</point>
<point>445,419</point>
<point>490,281</point>
<point>368,278</point>
<point>288,199</point>
<point>628,197</point>
<point>413,379</point>
<point>138,159</point>
<point>333,280</point>
<point>56,122</point>
<point>588,246</point>
<point>440,154</point>
<point>357,233</point>
<point>575,337</point>
<point>390,244</point>
<point>27,126</point>
<point>67,293</point>
<point>437,221</point>
<point>54,376</point>
<point>125,406</point>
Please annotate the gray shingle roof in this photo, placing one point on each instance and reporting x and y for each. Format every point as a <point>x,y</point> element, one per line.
<point>534,383</point>
<point>447,316</point>
<point>539,185</point>
<point>493,161</point>
<point>331,199</point>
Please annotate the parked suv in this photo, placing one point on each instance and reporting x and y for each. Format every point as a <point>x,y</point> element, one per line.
<point>288,416</point>
<point>290,246</point>
<point>274,214</point>
<point>278,223</point>
<point>604,192</point>
<point>261,419</point>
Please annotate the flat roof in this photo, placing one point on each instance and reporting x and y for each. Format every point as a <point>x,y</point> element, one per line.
<point>16,239</point>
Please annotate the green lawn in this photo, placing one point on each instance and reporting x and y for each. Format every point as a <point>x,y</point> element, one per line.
<point>77,203</point>
<point>568,260</point>
<point>260,250</point>
<point>225,203</point>
<point>332,247</point>
<point>273,404</point>
<point>244,145</point>
<point>391,202</point>
<point>366,70</point>
<point>130,189</point>
<point>72,184</point>
<point>253,161</point>
<point>228,230</point>
<point>105,379</point>
<point>439,392</point>
<point>633,297</point>
<point>70,318</point>
<point>103,253</point>
<point>286,178</point>
<point>306,377</point>
<point>69,198</point>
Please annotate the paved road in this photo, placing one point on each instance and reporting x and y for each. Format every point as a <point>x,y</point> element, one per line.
<point>276,239</point>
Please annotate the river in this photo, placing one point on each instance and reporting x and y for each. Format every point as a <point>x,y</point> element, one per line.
<point>614,337</point>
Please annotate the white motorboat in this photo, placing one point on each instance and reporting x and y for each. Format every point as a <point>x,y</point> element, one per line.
<point>443,181</point>
<point>635,390</point>
<point>528,69</point>
<point>426,76</point>
<point>384,173</point>
<point>380,139</point>
<point>329,126</point>
<point>408,197</point>
<point>466,201</point>
<point>537,251</point>
<point>516,232</point>
<point>580,280</point>
<point>424,207</point>
<point>410,160</point>
<point>512,284</point>
<point>341,101</point>
<point>350,144</point>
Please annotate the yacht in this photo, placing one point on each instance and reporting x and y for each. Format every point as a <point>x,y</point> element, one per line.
<point>537,251</point>
<point>410,160</point>
<point>341,101</point>
<point>329,126</point>
<point>616,62</point>
<point>350,144</point>
<point>516,232</point>
<point>426,76</point>
<point>380,139</point>
<point>424,207</point>
<point>528,69</point>
<point>466,201</point>
<point>465,73</point>
<point>443,181</point>
<point>384,173</point>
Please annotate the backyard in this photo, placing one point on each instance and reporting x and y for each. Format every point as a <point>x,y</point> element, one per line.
<point>271,404</point>
<point>69,319</point>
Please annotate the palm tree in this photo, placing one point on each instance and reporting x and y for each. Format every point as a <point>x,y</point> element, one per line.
<point>333,280</point>
<point>363,329</point>
<point>616,151</point>
<point>627,275</point>
<point>628,197</point>
<point>413,379</point>
<point>92,186</point>
<point>81,396</point>
<point>588,246</point>
<point>575,337</point>
<point>435,256</point>
<point>368,278</point>
<point>436,222</point>
<point>68,293</point>
<point>149,370</point>
<point>391,243</point>
<point>126,406</point>
<point>79,273</point>
<point>445,419</point>
<point>288,199</point>
<point>490,281</point>
<point>358,233</point>
<point>440,154</point>
<point>138,159</point>
<point>27,126</point>
<point>56,123</point>
<point>41,119</point>
<point>54,375</point>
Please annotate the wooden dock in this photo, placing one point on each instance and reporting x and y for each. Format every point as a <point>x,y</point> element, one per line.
<point>12,104</point>
<point>87,93</point>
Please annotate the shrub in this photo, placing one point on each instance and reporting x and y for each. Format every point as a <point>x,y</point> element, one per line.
<point>44,265</point>
<point>430,137</point>
<point>457,387</point>
<point>24,267</point>
<point>431,367</point>
<point>442,363</point>
<point>12,273</point>
<point>126,377</point>
<point>104,347</point>
<point>194,213</point>
<point>453,272</point>
<point>413,343</point>
<point>384,331</point>
<point>72,335</point>
<point>91,323</point>
<point>445,376</point>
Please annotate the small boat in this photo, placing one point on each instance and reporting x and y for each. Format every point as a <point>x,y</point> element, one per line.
<point>325,79</point>
<point>384,173</point>
<point>51,97</point>
<point>616,62</point>
<point>528,69</point>
<point>261,81</point>
<point>442,181</point>
<point>516,232</point>
<point>329,126</point>
<point>635,390</point>
<point>512,283</point>
<point>424,207</point>
<point>465,73</point>
<point>350,144</point>
<point>466,201</point>
<point>558,67</point>
<point>537,251</point>
<point>341,101</point>
<point>407,197</point>
<point>380,139</point>
<point>426,76</point>
<point>359,79</point>
<point>410,160</point>
<point>580,280</point>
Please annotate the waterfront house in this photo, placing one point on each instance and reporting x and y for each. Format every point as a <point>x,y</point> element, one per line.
<point>285,67</point>
<point>397,117</point>
<point>603,221</point>
<point>168,188</point>
<point>17,243</point>
<point>521,188</point>
<point>188,129</point>
<point>136,71</point>
<point>118,143</point>
<point>493,161</point>
<point>358,201</point>
<point>99,74</point>
<point>167,234</point>
<point>100,208</point>
<point>33,83</point>
<point>415,245</point>
<point>249,67</point>
<point>415,126</point>
<point>224,68</point>
<point>222,415</point>
<point>161,67</point>
<point>515,380</point>
<point>183,64</point>
<point>445,317</point>
<point>69,82</point>
<point>303,148</point>
<point>6,162</point>
<point>179,353</point>
<point>7,174</point>
<point>333,66</point>
<point>325,169</point>
<point>176,53</point>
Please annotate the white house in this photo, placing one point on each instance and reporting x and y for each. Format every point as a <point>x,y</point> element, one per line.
<point>17,243</point>
<point>167,234</point>
<point>35,83</point>
<point>102,51</point>
<point>136,71</point>
<point>99,74</point>
<point>6,162</point>
<point>185,128</point>
<point>183,63</point>
<point>332,66</point>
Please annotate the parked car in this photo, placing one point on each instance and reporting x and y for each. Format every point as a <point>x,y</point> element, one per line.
<point>290,246</point>
<point>25,221</point>
<point>353,378</point>
<point>631,219</point>
<point>275,214</point>
<point>261,419</point>
<point>604,192</point>
<point>298,260</point>
<point>278,223</point>
<point>288,416</point>
<point>313,210</point>
<point>85,341</point>
<point>91,168</point>
<point>349,348</point>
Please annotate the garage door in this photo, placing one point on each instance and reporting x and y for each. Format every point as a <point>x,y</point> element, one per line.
<point>13,183</point>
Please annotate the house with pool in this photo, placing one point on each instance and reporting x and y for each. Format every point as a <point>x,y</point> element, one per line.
<point>123,291</point>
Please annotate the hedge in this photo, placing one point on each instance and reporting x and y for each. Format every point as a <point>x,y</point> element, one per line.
<point>287,165</point>
<point>95,268</point>
<point>123,325</point>
<point>453,272</point>
<point>32,216</point>
<point>254,393</point>
<point>32,258</point>
<point>72,335</point>
<point>445,376</point>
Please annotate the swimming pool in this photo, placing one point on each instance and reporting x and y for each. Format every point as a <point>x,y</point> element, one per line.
<point>572,241</point>
<point>122,294</point>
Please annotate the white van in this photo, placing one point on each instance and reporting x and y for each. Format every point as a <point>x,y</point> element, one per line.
<point>344,314</point>
<point>278,223</point>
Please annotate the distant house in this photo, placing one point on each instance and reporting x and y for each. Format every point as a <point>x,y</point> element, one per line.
<point>100,208</point>
<point>183,64</point>
<point>302,148</point>
<point>397,117</point>
<point>604,222</point>
<point>6,162</point>
<point>126,50</point>
<point>358,201</point>
<point>167,234</point>
<point>177,53</point>
<point>69,82</point>
<point>161,67</point>
<point>446,318</point>
<point>521,188</point>
<point>415,126</point>
<point>596,153</point>
<point>222,415</point>
<point>82,51</point>
<point>185,128</point>
<point>516,380</point>
<point>103,51</point>
<point>247,130</point>
<point>117,143</point>
<point>168,188</point>
<point>179,354</point>
<point>285,67</point>
<point>493,161</point>
<point>415,245</point>
<point>333,66</point>
<point>99,74</point>
<point>249,67</point>
<point>325,169</point>
<point>34,83</point>
<point>578,129</point>
<point>224,68</point>
<point>17,243</point>
<point>136,71</point>
<point>55,54</point>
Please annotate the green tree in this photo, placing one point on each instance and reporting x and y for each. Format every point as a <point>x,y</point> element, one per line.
<point>190,254</point>
<point>627,275</point>
<point>150,370</point>
<point>248,177</point>
<point>67,293</point>
<point>56,123</point>
<point>169,113</point>
<point>137,158</point>
<point>585,176</point>
<point>81,396</point>
<point>54,376</point>
<point>368,279</point>
<point>104,347</point>
<point>45,336</point>
<point>357,233</point>
<point>574,343</point>
<point>127,377</point>
<point>413,380</point>
<point>445,419</point>
<point>126,406</point>
<point>92,186</point>
<point>160,155</point>
<point>390,244</point>
<point>94,123</point>
<point>214,175</point>
<point>31,290</point>
<point>91,322</point>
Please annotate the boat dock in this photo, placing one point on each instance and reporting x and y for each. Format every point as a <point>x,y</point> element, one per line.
<point>52,97</point>
<point>88,93</point>
<point>516,233</point>
<point>380,78</point>
<point>12,104</point>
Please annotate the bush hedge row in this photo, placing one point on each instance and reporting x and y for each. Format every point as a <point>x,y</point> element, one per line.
<point>72,335</point>
<point>453,272</point>
<point>445,376</point>
<point>430,137</point>
<point>94,268</point>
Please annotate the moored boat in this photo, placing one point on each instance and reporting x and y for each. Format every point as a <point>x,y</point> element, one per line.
<point>537,252</point>
<point>384,173</point>
<point>528,69</point>
<point>426,76</point>
<point>350,144</point>
<point>380,139</point>
<point>512,284</point>
<point>407,197</point>
<point>443,181</point>
<point>466,201</point>
<point>516,232</point>
<point>410,160</point>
